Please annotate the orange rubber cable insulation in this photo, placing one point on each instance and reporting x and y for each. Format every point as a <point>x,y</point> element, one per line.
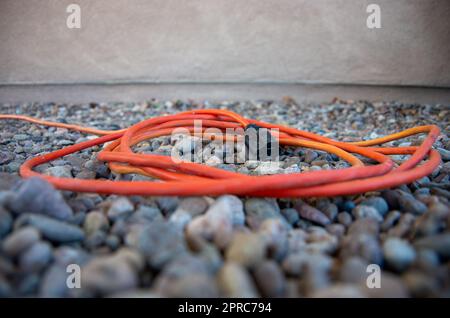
<point>190,178</point>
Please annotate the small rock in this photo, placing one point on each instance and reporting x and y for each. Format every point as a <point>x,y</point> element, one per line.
<point>398,253</point>
<point>320,241</point>
<point>366,226</point>
<point>310,156</point>
<point>160,243</point>
<point>391,218</point>
<point>36,257</point>
<point>120,208</point>
<point>378,203</point>
<point>427,260</point>
<point>54,282</point>
<point>235,282</point>
<point>37,196</point>
<point>353,270</point>
<point>421,285</point>
<point>218,221</point>
<point>407,203</point>
<point>258,210</point>
<point>53,230</point>
<point>365,211</point>
<point>403,227</point>
<point>296,264</point>
<point>363,245</point>
<point>113,242</point>
<point>270,279</point>
<point>5,222</point>
<point>439,243</point>
<point>145,214</point>
<point>95,221</point>
<point>59,171</point>
<point>336,229</point>
<point>312,214</point>
<point>344,218</point>
<point>291,215</point>
<point>247,249</point>
<point>19,240</point>
<point>193,205</point>
<point>268,168</point>
<point>186,276</point>
<point>108,274</point>
<point>66,255</point>
<point>167,204</point>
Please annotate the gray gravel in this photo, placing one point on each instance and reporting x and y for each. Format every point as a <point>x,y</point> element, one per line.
<point>221,246</point>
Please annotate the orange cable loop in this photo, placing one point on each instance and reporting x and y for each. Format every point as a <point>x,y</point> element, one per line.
<point>190,178</point>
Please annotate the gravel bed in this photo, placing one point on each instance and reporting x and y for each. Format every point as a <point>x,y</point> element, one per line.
<point>223,246</point>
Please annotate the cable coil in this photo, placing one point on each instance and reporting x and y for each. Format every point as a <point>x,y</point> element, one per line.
<point>190,179</point>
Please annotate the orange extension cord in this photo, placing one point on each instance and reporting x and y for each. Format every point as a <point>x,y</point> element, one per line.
<point>188,179</point>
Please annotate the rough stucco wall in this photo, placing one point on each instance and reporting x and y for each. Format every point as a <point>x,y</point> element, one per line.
<point>226,41</point>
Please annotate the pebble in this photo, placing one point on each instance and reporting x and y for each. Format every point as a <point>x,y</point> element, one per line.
<point>5,222</point>
<point>365,211</point>
<point>291,215</point>
<point>167,204</point>
<point>390,219</point>
<point>120,208</point>
<point>336,229</point>
<point>312,214</point>
<point>258,210</point>
<point>95,221</point>
<point>378,203</point>
<point>403,227</point>
<point>420,285</point>
<point>320,241</point>
<point>408,203</point>
<point>353,270</point>
<point>247,249</point>
<point>235,282</point>
<point>19,240</point>
<point>53,230</point>
<point>186,276</point>
<point>36,257</point>
<point>37,196</point>
<point>427,260</point>
<point>344,218</point>
<point>193,205</point>
<point>310,156</point>
<point>268,168</point>
<point>53,283</point>
<point>218,221</point>
<point>270,279</point>
<point>145,214</point>
<point>296,264</point>
<point>159,243</point>
<point>274,232</point>
<point>366,226</point>
<point>398,253</point>
<point>59,171</point>
<point>65,255</point>
<point>105,275</point>
<point>439,243</point>
<point>363,245</point>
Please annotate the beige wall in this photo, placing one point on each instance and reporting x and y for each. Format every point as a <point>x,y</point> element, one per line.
<point>226,41</point>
